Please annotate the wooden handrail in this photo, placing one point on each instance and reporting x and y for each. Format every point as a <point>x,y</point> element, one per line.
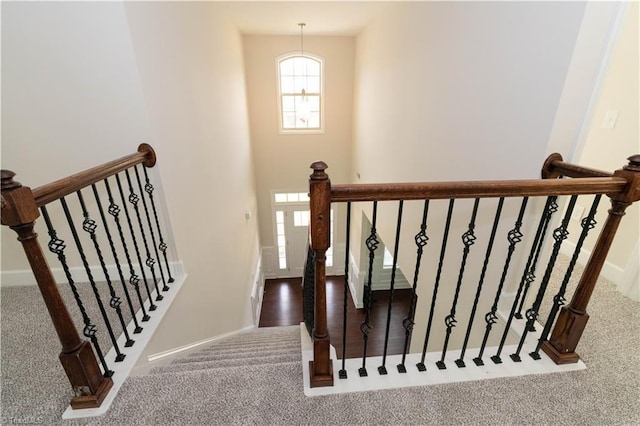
<point>60,188</point>
<point>555,167</point>
<point>486,189</point>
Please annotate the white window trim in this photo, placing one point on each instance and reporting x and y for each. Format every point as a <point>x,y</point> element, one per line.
<point>284,131</point>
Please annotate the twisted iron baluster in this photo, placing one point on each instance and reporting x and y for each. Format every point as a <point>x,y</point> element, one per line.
<point>468,239</point>
<point>588,223</point>
<point>514,237</point>
<point>549,208</point>
<point>559,235</point>
<point>115,301</point>
<point>460,361</point>
<point>153,236</point>
<point>57,246</point>
<point>383,369</point>
<point>420,365</point>
<point>87,225</point>
<point>148,187</point>
<point>134,199</point>
<point>343,371</point>
<point>114,211</point>
<point>372,244</point>
<point>135,279</point>
<point>531,276</point>
<point>421,240</point>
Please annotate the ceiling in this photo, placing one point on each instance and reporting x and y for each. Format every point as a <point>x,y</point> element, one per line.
<point>321,17</point>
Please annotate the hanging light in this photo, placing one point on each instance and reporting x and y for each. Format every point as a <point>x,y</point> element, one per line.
<point>304,109</point>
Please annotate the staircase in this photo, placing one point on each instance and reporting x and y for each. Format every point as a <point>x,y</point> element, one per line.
<point>260,348</point>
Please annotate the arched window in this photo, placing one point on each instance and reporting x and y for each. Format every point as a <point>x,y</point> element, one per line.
<point>300,93</point>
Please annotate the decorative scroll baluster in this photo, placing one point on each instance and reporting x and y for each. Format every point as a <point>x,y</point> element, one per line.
<point>514,237</point>
<point>372,244</point>
<point>559,235</point>
<point>119,355</point>
<point>421,240</point>
<point>135,279</point>
<point>588,223</point>
<point>549,208</point>
<point>343,371</point>
<point>57,246</point>
<point>148,187</point>
<point>383,369</point>
<point>115,302</point>
<point>134,200</point>
<point>443,249</point>
<point>149,190</point>
<point>114,211</point>
<point>115,258</point>
<point>468,239</point>
<point>531,276</point>
<point>460,361</point>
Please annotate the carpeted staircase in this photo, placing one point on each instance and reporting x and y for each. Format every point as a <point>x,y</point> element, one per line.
<point>259,347</point>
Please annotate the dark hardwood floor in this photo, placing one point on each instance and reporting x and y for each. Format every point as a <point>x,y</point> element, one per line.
<point>282,305</point>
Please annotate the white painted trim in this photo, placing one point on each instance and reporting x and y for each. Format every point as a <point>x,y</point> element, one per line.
<point>610,271</point>
<point>123,369</point>
<point>354,282</point>
<point>176,351</point>
<point>257,291</point>
<point>630,282</point>
<point>24,277</point>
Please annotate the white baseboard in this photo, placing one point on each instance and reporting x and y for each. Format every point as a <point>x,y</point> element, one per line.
<point>24,277</point>
<point>610,271</point>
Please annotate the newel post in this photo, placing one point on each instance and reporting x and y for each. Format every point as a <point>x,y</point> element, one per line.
<point>573,318</point>
<point>321,368</point>
<point>19,212</point>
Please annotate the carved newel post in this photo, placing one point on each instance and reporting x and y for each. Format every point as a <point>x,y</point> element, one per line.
<point>321,368</point>
<point>573,318</point>
<point>19,212</point>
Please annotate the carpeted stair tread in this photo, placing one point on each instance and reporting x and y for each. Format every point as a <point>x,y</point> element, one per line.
<point>244,340</point>
<point>215,355</point>
<point>227,363</point>
<point>247,348</point>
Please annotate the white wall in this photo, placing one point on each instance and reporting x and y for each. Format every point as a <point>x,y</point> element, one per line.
<point>190,62</point>
<point>85,83</point>
<point>282,160</point>
<point>71,96</point>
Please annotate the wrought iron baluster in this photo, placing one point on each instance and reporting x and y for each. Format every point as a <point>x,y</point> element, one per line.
<point>57,246</point>
<point>149,190</point>
<point>550,207</point>
<point>114,211</point>
<point>514,237</point>
<point>559,235</point>
<point>588,223</point>
<point>343,371</point>
<point>383,369</point>
<point>460,361</point>
<point>150,262</point>
<point>88,225</point>
<point>468,239</point>
<point>148,187</point>
<point>443,249</point>
<point>421,240</point>
<point>135,279</point>
<point>115,300</point>
<point>532,272</point>
<point>372,244</point>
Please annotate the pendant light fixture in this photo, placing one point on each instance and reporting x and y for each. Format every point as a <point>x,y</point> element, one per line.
<point>304,109</point>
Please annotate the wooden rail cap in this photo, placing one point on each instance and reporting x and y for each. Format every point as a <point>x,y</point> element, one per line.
<point>319,173</point>
<point>18,205</point>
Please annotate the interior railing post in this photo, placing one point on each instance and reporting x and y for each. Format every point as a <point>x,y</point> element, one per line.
<point>573,317</point>
<point>19,212</point>
<point>320,368</point>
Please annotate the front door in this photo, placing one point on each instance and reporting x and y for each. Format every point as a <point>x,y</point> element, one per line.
<point>292,229</point>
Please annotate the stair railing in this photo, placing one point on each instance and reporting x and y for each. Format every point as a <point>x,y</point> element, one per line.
<point>558,179</point>
<point>135,239</point>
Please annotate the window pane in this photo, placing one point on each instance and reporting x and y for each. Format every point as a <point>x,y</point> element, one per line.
<point>289,119</point>
<point>314,103</point>
<point>313,67</point>
<point>292,197</point>
<point>280,229</point>
<point>303,196</point>
<point>279,217</point>
<point>301,218</point>
<point>286,67</point>
<point>314,120</point>
<point>287,85</point>
<point>313,84</point>
<point>281,198</point>
<point>300,84</point>
<point>288,104</point>
<point>281,241</point>
<point>299,64</point>
<point>283,263</point>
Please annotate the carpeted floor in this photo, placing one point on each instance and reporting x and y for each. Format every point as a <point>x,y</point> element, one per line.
<point>197,390</point>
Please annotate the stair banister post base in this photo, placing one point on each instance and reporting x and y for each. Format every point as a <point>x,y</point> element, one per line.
<point>565,337</point>
<point>89,385</point>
